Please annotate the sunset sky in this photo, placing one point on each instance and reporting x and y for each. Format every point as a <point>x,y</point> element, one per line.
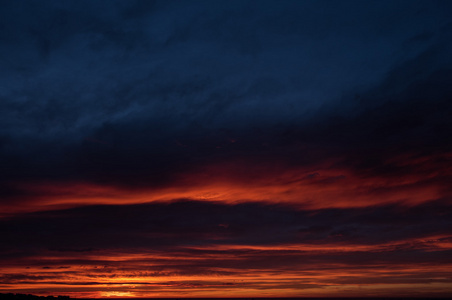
<point>226,148</point>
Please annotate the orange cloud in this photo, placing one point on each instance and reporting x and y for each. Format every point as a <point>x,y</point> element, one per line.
<point>236,271</point>
<point>235,182</point>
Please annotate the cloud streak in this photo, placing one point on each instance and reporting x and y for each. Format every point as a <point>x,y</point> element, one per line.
<point>254,247</point>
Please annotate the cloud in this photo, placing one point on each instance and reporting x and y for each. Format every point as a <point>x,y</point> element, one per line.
<point>193,223</point>
<point>304,138</point>
<point>136,77</point>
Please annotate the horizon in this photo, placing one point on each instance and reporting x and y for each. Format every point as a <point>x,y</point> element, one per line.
<point>206,298</point>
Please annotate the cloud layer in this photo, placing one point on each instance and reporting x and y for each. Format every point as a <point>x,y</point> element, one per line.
<point>282,147</point>
<point>175,247</point>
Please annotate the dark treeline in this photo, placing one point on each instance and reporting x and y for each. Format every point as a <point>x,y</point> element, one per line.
<point>11,296</point>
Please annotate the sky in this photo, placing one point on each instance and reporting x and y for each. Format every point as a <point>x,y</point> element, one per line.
<point>226,148</point>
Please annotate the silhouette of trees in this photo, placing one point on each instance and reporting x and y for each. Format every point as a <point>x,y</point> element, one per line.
<point>11,296</point>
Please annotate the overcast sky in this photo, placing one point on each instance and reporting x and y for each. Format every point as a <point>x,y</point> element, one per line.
<point>304,146</point>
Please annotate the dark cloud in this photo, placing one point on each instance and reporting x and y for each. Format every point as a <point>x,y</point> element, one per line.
<point>102,92</point>
<point>190,223</point>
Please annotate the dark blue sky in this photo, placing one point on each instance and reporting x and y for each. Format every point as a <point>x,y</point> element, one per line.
<point>257,112</point>
<point>136,74</point>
